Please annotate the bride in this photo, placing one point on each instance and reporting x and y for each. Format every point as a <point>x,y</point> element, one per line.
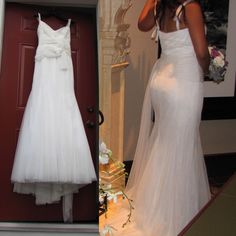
<point>168,181</point>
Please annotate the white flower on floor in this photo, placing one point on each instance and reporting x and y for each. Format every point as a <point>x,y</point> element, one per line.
<point>107,230</point>
<point>104,154</point>
<point>113,196</point>
<point>101,198</point>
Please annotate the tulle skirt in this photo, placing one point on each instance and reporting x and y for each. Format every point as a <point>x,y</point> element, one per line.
<point>168,182</point>
<point>53,157</point>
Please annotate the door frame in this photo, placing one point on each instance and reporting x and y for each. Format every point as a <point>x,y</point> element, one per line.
<point>44,227</point>
<point>113,49</point>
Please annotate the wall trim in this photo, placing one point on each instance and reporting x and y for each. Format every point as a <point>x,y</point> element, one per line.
<point>49,227</point>
<point>219,108</point>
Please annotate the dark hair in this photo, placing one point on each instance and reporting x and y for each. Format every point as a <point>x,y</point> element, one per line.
<point>167,4</point>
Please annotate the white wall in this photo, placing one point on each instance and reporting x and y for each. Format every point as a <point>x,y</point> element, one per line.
<point>142,57</point>
<point>217,136</point>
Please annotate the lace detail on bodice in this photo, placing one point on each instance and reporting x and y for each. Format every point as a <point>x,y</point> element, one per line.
<point>54,43</point>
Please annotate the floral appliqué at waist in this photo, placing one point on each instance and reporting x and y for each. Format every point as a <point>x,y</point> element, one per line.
<point>60,51</point>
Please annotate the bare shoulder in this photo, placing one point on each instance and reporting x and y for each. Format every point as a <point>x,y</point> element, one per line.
<point>193,7</point>
<point>193,12</point>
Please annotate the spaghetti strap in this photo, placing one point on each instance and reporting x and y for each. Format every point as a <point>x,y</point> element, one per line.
<point>180,8</point>
<point>39,17</point>
<point>187,2</point>
<point>154,35</point>
<point>69,21</point>
<point>179,12</point>
<point>155,15</point>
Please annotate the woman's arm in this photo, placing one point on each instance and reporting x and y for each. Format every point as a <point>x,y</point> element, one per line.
<point>146,19</point>
<point>195,24</point>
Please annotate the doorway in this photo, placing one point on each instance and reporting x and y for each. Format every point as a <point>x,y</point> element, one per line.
<point>19,46</point>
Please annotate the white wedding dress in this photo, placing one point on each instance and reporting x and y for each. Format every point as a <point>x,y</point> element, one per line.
<point>168,181</point>
<point>52,158</point>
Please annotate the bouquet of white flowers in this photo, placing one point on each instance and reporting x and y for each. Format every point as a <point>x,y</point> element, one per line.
<point>218,64</point>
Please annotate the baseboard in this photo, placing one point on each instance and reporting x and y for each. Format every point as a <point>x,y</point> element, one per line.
<point>48,228</point>
<point>220,167</point>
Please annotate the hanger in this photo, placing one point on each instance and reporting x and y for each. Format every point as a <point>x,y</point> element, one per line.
<point>53,12</point>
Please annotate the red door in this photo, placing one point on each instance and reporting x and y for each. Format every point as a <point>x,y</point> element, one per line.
<point>19,45</point>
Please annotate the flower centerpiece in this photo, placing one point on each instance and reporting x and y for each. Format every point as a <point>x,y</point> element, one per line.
<point>105,154</point>
<point>111,185</point>
<point>218,64</point>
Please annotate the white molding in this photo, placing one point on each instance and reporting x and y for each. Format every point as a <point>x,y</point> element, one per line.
<point>119,67</point>
<point>2,14</point>
<point>49,227</point>
<point>114,47</point>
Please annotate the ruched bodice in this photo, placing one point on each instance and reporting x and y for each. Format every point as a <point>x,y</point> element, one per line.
<point>177,53</point>
<point>176,43</point>
<point>53,43</point>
